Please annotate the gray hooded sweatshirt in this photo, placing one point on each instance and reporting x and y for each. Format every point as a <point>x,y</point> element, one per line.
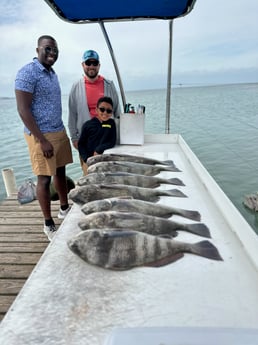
<point>79,110</point>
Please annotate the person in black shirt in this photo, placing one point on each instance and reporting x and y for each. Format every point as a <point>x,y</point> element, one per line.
<point>99,133</point>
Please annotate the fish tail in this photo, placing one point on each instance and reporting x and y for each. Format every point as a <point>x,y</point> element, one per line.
<point>199,229</point>
<point>194,215</point>
<point>175,181</point>
<point>169,162</point>
<point>177,193</point>
<point>206,249</point>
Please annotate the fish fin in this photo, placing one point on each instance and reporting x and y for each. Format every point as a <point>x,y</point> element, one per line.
<point>117,173</point>
<point>170,236</point>
<point>199,229</point>
<point>177,193</point>
<point>176,181</point>
<point>154,199</point>
<point>120,163</point>
<point>165,261</point>
<point>207,250</point>
<point>112,233</point>
<point>107,186</point>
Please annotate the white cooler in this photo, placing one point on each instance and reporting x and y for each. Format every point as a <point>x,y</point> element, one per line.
<point>132,129</point>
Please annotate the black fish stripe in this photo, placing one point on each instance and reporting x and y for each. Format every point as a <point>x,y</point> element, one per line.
<point>157,248</point>
<point>145,249</point>
<point>103,258</point>
<point>126,250</point>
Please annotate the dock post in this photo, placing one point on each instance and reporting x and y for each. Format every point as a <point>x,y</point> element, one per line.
<point>9,181</point>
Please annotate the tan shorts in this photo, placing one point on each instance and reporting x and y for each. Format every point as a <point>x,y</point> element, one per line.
<point>62,153</point>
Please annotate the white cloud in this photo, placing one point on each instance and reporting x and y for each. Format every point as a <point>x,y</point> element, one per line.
<point>216,42</point>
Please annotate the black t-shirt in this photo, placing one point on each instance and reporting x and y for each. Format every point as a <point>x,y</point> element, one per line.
<point>96,136</point>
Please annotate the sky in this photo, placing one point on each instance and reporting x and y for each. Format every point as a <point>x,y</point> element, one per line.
<point>217,43</point>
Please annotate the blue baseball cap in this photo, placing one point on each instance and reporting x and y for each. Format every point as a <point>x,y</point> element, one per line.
<point>90,54</point>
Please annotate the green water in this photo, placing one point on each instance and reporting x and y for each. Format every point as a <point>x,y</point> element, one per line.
<point>219,123</point>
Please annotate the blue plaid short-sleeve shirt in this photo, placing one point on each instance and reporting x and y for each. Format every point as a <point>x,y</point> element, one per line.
<point>46,103</point>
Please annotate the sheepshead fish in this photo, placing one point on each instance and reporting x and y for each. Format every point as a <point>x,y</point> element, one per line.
<point>126,157</point>
<point>119,249</point>
<point>134,205</point>
<point>130,167</point>
<point>84,194</point>
<point>128,179</point>
<point>143,223</point>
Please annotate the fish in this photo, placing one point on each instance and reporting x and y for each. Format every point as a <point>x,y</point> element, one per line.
<point>134,205</point>
<point>130,167</point>
<point>128,179</point>
<point>143,223</point>
<point>87,193</point>
<point>122,249</point>
<point>126,157</point>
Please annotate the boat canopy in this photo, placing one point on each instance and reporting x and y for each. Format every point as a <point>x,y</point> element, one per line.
<point>82,11</point>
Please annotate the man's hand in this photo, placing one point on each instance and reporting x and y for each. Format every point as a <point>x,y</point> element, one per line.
<point>47,148</point>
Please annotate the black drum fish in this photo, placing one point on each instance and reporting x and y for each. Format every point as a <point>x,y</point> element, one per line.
<point>128,179</point>
<point>84,194</point>
<point>143,223</point>
<point>126,157</point>
<point>134,205</point>
<point>130,167</point>
<point>119,249</point>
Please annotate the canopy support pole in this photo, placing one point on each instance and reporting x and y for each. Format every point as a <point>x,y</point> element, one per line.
<point>114,62</point>
<point>169,78</point>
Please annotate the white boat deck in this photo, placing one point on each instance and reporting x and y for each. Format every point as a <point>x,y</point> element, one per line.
<point>67,301</point>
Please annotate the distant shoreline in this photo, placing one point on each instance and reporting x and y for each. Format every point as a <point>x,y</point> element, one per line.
<point>174,86</point>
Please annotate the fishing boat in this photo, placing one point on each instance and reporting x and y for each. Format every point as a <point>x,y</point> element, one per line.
<point>191,301</point>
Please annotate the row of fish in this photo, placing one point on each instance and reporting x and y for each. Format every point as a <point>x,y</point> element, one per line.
<point>117,198</point>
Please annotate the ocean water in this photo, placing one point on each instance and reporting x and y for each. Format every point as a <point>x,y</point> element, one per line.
<point>219,123</point>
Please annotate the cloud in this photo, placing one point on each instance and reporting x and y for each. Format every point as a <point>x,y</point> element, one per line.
<point>215,43</point>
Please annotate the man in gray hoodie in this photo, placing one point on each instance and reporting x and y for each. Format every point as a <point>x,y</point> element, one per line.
<point>85,94</point>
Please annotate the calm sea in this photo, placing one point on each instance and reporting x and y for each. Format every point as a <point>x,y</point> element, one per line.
<point>219,123</point>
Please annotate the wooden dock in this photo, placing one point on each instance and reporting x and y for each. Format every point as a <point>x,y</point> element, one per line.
<point>22,242</point>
